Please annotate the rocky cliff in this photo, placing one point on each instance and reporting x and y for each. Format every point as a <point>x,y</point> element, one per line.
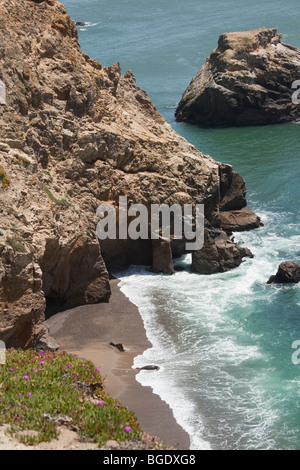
<point>74,134</point>
<point>247,80</point>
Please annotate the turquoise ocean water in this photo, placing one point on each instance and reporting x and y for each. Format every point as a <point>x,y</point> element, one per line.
<point>223,342</point>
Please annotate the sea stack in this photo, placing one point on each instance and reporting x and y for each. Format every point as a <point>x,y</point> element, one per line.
<point>250,79</point>
<point>288,273</point>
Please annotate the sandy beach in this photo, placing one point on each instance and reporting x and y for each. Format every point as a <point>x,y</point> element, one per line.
<point>87,331</point>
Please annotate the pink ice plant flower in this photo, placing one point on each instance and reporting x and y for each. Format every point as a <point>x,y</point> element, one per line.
<point>25,377</point>
<point>29,394</point>
<point>11,369</point>
<point>100,403</point>
<point>127,429</point>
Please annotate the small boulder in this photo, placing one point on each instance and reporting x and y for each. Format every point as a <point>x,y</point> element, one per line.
<point>288,272</point>
<point>162,256</point>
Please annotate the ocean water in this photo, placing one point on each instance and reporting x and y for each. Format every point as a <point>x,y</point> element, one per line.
<point>223,342</point>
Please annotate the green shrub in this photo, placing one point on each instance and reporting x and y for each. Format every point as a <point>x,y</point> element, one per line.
<point>40,391</point>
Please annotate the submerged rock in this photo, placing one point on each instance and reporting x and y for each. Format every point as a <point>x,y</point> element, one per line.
<point>288,272</point>
<point>247,80</point>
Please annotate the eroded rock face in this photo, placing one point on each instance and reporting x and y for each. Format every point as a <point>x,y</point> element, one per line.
<point>162,256</point>
<point>73,135</point>
<point>233,213</point>
<point>247,80</point>
<point>288,272</point>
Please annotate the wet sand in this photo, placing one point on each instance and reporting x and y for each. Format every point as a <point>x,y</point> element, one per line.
<point>87,332</point>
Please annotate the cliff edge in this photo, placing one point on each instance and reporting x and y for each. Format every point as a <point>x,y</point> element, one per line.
<point>74,134</point>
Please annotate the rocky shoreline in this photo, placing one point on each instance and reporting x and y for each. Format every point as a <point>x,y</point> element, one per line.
<point>73,135</point>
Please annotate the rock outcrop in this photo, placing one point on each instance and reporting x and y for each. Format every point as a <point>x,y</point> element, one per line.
<point>219,253</point>
<point>74,134</point>
<point>233,213</point>
<point>247,80</point>
<point>288,272</point>
<point>74,272</point>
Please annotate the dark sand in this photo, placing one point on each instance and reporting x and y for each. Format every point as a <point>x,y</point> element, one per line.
<point>87,332</point>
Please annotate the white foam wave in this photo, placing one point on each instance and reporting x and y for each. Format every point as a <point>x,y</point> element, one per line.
<point>198,328</point>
